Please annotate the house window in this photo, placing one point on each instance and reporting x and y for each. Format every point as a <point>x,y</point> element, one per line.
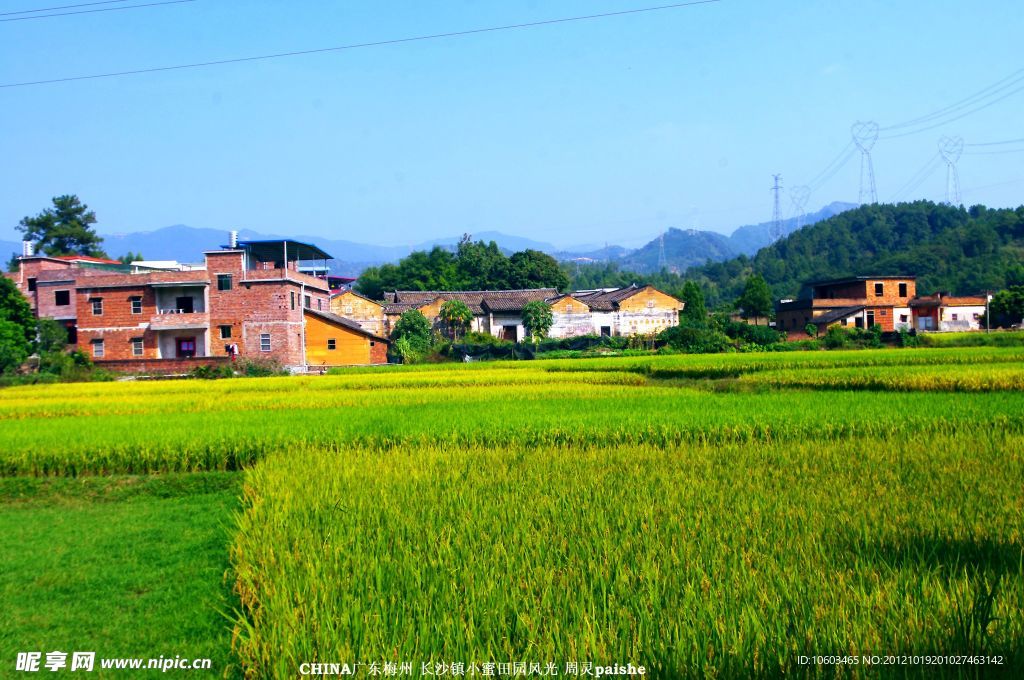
<point>31,284</point>
<point>879,289</point>
<point>903,318</point>
<point>843,322</point>
<point>97,306</point>
<point>884,312</point>
<point>293,299</point>
<point>72,333</point>
<point>903,290</point>
<point>307,302</point>
<point>264,342</point>
<point>977,317</point>
<point>650,304</point>
<point>223,281</point>
<point>955,317</point>
<point>348,309</point>
<point>372,343</point>
<point>97,349</point>
<point>320,304</point>
<point>62,298</point>
<point>332,343</point>
<point>136,305</point>
<point>225,332</point>
<point>137,347</point>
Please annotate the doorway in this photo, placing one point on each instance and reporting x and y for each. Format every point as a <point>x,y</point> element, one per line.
<point>184,304</point>
<point>186,347</point>
<point>508,333</point>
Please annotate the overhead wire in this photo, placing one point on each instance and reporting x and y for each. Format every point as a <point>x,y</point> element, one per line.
<point>981,94</point>
<point>378,43</point>
<point>93,11</point>
<point>52,9</point>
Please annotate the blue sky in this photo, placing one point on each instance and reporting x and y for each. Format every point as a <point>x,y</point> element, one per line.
<point>606,130</point>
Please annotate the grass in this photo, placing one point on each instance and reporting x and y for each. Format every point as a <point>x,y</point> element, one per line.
<point>122,566</point>
<point>707,516</point>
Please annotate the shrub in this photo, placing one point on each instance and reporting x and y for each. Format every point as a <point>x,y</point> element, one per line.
<point>837,337</point>
<point>260,368</point>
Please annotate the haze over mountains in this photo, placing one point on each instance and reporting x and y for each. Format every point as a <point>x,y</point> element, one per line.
<point>683,248</point>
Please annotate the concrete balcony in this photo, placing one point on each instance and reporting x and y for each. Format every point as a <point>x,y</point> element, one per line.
<point>175,319</point>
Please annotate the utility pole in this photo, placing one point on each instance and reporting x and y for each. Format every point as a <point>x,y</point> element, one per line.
<point>776,232</point>
<point>950,149</point>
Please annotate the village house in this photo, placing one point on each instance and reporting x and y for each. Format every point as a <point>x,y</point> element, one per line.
<point>855,302</point>
<point>249,299</point>
<point>632,310</point>
<point>945,312</point>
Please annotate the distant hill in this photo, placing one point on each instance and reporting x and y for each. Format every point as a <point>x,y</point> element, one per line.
<point>683,248</point>
<point>947,248</point>
<point>689,247</point>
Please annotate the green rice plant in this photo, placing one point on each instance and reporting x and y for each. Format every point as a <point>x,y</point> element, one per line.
<point>693,560</point>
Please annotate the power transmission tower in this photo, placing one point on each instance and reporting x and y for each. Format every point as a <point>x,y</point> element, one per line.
<point>800,195</point>
<point>662,260</point>
<point>776,232</point>
<point>950,148</point>
<point>865,134</point>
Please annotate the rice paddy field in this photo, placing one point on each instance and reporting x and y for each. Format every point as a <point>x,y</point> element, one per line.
<point>727,516</point>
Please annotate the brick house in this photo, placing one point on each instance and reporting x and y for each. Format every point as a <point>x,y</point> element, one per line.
<point>248,299</point>
<point>631,310</point>
<point>856,302</point>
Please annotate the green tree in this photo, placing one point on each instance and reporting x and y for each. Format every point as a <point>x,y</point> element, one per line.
<point>811,330</point>
<point>64,229</point>
<point>456,317</point>
<point>481,266</point>
<point>414,328</point>
<point>537,319</point>
<point>756,300</point>
<point>14,348</point>
<point>694,309</point>
<point>534,269</point>
<point>130,257</point>
<point>1007,307</point>
<point>15,308</point>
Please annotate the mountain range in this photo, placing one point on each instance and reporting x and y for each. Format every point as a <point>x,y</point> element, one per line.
<point>682,248</point>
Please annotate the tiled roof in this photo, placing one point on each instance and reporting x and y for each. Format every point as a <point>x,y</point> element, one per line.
<point>342,321</point>
<point>606,300</point>
<point>478,301</point>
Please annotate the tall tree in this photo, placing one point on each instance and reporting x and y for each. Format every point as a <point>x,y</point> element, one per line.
<point>534,269</point>
<point>537,319</point>
<point>64,229</point>
<point>756,300</point>
<point>694,309</point>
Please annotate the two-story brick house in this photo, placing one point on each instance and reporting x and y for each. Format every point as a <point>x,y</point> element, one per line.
<point>855,301</point>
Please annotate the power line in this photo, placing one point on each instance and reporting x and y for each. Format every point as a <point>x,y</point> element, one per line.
<point>436,36</point>
<point>957,117</point>
<point>52,9</point>
<point>1005,141</point>
<point>93,11</point>
<point>966,101</point>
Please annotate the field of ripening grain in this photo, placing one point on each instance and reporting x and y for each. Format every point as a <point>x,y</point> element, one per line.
<point>704,516</point>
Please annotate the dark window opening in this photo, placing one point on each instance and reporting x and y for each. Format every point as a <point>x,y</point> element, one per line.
<point>332,343</point>
<point>225,332</point>
<point>871,319</point>
<point>97,306</point>
<point>136,305</point>
<point>884,312</point>
<point>185,304</point>
<point>62,298</point>
<point>307,302</point>
<point>606,330</point>
<point>31,284</point>
<point>903,290</point>
<point>879,289</point>
<point>293,299</point>
<point>72,333</point>
<point>223,281</point>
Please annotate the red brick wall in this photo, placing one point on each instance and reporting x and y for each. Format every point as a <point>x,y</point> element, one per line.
<point>161,366</point>
<point>379,352</point>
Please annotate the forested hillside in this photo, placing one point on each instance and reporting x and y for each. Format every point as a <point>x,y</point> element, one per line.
<point>948,248</point>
